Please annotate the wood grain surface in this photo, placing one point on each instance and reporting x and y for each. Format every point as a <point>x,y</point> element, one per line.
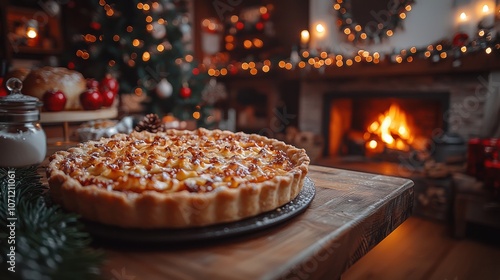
<point>351,213</point>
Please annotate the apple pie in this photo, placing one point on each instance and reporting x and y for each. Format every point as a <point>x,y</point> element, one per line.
<point>176,178</point>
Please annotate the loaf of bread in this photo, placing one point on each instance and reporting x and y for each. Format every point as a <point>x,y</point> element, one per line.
<point>70,82</point>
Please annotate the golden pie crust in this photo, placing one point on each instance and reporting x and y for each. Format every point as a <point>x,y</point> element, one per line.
<point>177,178</point>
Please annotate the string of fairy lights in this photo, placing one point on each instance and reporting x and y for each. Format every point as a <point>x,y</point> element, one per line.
<point>308,59</point>
<point>319,59</point>
<point>460,46</point>
<point>395,12</point>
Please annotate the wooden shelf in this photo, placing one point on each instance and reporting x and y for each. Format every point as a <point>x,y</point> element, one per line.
<point>66,117</point>
<point>78,116</point>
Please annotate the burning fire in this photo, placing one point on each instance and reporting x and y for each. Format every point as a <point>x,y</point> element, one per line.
<point>391,129</point>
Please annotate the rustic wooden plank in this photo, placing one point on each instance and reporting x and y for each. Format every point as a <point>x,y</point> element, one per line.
<point>350,214</point>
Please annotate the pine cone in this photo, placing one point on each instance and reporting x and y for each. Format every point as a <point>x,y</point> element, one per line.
<point>151,123</point>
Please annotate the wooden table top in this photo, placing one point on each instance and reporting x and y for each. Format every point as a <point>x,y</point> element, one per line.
<point>350,214</point>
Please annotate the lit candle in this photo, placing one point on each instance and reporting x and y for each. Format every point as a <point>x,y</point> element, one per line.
<point>488,18</point>
<point>463,23</point>
<point>304,38</point>
<point>463,17</point>
<point>318,36</point>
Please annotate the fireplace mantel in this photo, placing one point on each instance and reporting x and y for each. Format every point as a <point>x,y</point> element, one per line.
<point>477,63</point>
<point>468,64</point>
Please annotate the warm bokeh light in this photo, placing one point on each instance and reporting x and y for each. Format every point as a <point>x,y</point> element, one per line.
<point>486,9</point>
<point>31,33</point>
<point>372,144</point>
<point>304,36</point>
<point>320,29</point>
<point>463,16</point>
<point>258,43</point>
<point>247,44</point>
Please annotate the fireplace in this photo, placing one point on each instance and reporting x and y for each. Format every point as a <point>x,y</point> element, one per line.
<point>341,109</point>
<point>381,123</point>
<point>451,103</point>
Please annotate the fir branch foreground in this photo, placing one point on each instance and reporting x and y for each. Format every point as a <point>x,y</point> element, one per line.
<point>48,243</point>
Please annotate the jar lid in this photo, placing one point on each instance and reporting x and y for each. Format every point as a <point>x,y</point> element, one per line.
<point>17,107</point>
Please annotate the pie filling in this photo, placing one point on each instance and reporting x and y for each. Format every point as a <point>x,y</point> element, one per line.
<point>200,161</point>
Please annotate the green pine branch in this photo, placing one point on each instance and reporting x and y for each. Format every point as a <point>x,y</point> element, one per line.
<point>48,243</point>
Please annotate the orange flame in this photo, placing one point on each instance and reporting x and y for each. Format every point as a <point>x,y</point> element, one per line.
<point>392,129</point>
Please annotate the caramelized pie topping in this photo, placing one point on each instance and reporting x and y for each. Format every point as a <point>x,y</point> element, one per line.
<point>200,161</point>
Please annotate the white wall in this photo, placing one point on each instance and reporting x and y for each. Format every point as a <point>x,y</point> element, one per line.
<point>428,22</point>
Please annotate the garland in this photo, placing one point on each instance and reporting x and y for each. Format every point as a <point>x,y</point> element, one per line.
<point>38,240</point>
<point>387,21</point>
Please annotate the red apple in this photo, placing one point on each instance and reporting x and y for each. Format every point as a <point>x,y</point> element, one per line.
<point>109,82</point>
<point>54,100</point>
<point>92,83</point>
<point>91,99</point>
<point>108,97</point>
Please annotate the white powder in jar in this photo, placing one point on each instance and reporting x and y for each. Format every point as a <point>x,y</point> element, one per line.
<point>22,149</point>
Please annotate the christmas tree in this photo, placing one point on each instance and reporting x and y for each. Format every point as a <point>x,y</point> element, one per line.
<point>147,46</point>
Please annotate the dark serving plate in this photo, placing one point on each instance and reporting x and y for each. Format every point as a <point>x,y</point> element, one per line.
<point>170,236</point>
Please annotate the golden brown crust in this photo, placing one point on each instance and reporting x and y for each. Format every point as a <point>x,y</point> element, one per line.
<point>151,208</point>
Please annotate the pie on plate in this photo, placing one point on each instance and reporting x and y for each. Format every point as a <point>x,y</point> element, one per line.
<point>177,178</point>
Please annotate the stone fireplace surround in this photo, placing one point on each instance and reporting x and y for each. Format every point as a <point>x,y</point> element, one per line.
<point>471,94</point>
<point>473,111</point>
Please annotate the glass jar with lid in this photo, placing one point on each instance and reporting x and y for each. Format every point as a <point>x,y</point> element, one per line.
<point>22,139</point>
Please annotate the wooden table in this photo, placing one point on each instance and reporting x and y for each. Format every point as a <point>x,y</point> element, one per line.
<point>350,214</point>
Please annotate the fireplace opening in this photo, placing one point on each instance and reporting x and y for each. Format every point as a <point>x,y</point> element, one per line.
<point>382,124</point>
